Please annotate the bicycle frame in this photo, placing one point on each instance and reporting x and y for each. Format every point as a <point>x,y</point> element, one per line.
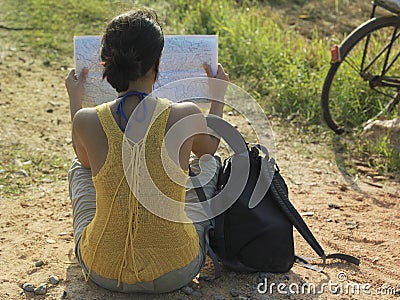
<point>380,80</point>
<point>375,62</point>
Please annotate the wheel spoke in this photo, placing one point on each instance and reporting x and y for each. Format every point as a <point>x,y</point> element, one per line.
<point>365,82</point>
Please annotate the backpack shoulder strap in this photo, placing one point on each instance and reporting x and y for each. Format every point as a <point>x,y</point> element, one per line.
<point>278,189</point>
<point>202,198</point>
<point>211,253</point>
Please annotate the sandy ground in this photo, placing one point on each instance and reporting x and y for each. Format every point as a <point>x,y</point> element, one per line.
<point>355,215</point>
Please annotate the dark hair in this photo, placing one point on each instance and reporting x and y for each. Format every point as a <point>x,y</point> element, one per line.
<point>131,46</point>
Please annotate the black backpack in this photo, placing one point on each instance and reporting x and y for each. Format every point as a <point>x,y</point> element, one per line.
<point>259,238</point>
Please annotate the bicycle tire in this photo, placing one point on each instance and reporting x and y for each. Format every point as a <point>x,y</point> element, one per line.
<point>368,29</point>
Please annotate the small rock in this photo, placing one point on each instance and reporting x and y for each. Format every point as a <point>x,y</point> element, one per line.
<point>28,287</point>
<point>51,241</point>
<point>265,275</point>
<point>307,214</point>
<point>218,297</point>
<point>375,130</point>
<point>64,295</point>
<point>197,295</point>
<point>41,289</point>
<point>333,206</point>
<point>351,225</point>
<point>234,292</point>
<point>23,173</point>
<point>187,290</point>
<point>39,263</point>
<point>54,279</point>
<point>205,277</point>
<point>53,103</point>
<point>286,277</point>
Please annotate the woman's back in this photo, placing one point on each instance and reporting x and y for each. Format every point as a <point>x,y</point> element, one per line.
<point>125,241</point>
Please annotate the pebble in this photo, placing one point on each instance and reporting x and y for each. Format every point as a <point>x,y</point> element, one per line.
<point>41,289</point>
<point>28,287</point>
<point>286,277</point>
<point>64,295</point>
<point>187,290</point>
<point>333,206</point>
<point>218,297</point>
<point>197,295</point>
<point>265,275</point>
<point>23,173</point>
<point>39,263</point>
<point>234,292</point>
<point>205,277</point>
<point>54,279</point>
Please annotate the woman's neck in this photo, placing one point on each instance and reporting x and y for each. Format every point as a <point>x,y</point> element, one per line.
<point>144,85</point>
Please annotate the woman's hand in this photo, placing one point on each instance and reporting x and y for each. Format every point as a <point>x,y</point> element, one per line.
<point>75,89</point>
<point>217,87</point>
<point>220,72</point>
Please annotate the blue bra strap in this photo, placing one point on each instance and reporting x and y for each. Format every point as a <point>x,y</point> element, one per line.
<point>120,110</point>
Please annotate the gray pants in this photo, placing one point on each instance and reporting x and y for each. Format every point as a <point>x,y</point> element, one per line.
<point>83,199</point>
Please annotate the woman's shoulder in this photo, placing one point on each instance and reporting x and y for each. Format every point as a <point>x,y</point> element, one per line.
<point>85,115</point>
<point>180,110</point>
<point>86,119</point>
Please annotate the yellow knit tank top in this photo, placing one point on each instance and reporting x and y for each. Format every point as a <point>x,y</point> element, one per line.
<point>125,241</point>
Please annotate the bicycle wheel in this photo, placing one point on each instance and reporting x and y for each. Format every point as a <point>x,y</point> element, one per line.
<point>362,83</point>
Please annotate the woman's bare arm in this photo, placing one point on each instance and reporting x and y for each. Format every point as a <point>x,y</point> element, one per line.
<point>207,143</point>
<point>75,89</point>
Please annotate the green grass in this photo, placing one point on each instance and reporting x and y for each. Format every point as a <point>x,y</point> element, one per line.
<point>22,168</point>
<point>50,24</point>
<point>281,68</point>
<point>380,154</point>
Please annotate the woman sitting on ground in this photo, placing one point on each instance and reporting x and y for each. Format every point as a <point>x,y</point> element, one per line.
<point>121,245</point>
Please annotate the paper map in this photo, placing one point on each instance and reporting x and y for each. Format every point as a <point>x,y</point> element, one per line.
<point>183,57</point>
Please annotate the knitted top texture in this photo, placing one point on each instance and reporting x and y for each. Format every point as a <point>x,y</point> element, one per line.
<point>125,241</point>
